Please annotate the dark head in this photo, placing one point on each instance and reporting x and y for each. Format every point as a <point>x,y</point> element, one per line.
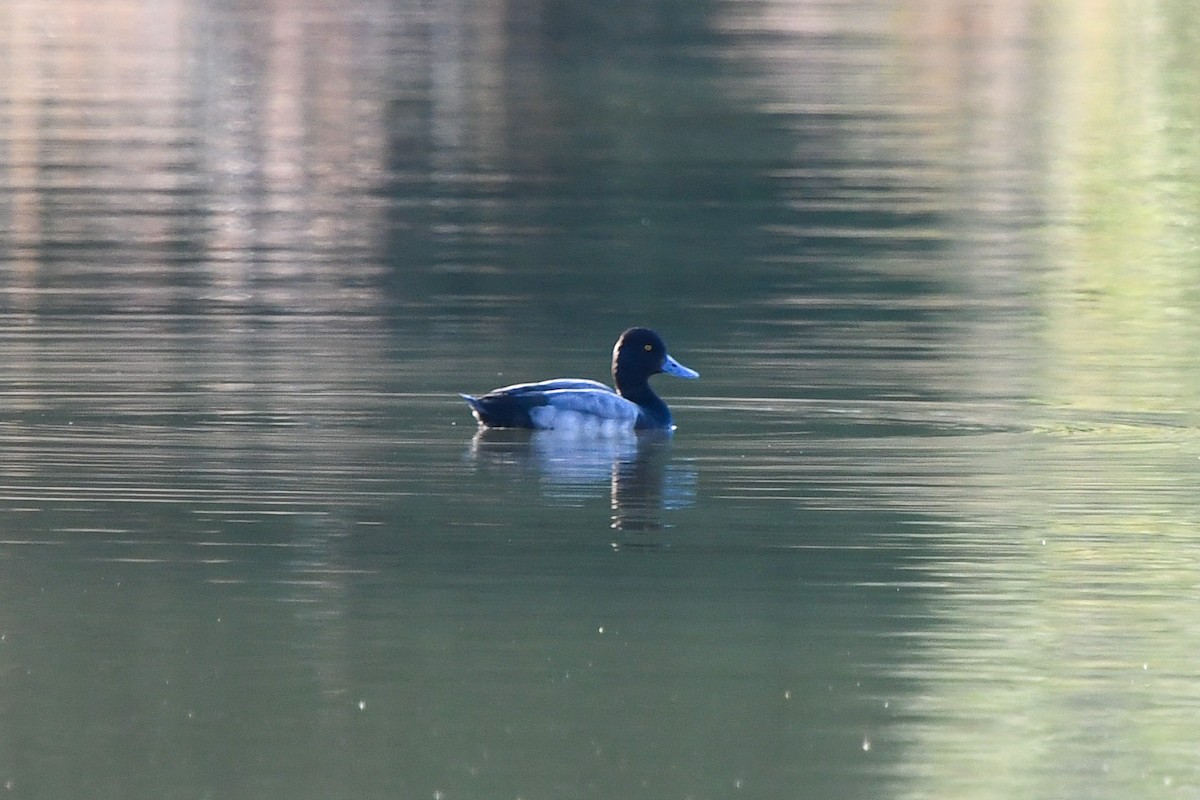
<point>638,354</point>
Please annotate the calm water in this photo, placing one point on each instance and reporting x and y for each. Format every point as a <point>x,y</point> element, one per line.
<point>930,525</point>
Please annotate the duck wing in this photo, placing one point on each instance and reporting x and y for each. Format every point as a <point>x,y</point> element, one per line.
<point>585,408</point>
<point>535,405</point>
<point>554,385</point>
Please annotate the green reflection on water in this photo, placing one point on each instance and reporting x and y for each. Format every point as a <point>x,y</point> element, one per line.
<point>1097,640</point>
<point>1121,302</point>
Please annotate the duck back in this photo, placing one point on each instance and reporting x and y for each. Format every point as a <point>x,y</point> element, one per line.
<point>535,405</point>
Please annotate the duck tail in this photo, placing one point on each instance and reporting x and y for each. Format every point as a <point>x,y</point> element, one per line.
<point>476,406</point>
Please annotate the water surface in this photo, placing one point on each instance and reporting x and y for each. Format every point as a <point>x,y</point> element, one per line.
<point>927,527</point>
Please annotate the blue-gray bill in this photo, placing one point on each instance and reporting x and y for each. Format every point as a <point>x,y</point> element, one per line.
<point>673,367</point>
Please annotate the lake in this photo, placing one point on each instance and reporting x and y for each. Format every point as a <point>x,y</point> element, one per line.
<point>928,527</point>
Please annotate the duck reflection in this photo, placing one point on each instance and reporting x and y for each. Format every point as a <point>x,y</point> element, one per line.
<point>635,466</point>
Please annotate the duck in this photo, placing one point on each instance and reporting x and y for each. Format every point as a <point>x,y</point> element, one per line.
<point>579,404</point>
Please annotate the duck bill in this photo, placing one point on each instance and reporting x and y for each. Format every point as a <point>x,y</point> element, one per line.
<point>672,367</point>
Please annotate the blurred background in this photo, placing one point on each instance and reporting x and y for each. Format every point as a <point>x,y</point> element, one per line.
<point>927,528</point>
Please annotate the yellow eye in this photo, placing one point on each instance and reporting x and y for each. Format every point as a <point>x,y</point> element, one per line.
<point>648,347</point>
